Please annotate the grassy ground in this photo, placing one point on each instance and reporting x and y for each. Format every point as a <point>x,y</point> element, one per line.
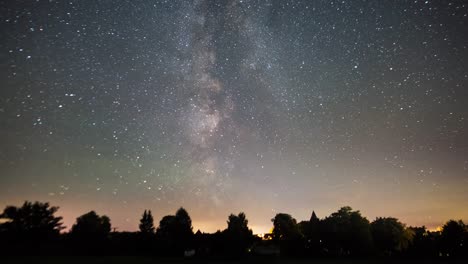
<point>153,260</point>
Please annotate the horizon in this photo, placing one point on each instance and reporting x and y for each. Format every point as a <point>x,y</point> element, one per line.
<point>212,227</point>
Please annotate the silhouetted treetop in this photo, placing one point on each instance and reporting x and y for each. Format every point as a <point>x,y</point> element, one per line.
<point>166,225</point>
<point>184,219</point>
<point>390,235</point>
<point>27,229</point>
<point>454,237</point>
<point>36,219</point>
<point>285,227</point>
<point>238,223</point>
<point>91,224</point>
<point>147,223</point>
<point>176,230</point>
<point>238,236</point>
<point>347,232</point>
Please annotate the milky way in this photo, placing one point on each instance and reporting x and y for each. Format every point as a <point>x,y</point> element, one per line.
<point>229,106</point>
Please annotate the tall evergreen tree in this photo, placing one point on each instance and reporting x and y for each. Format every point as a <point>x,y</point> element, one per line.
<point>147,223</point>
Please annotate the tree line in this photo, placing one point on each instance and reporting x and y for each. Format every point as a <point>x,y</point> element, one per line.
<point>34,228</point>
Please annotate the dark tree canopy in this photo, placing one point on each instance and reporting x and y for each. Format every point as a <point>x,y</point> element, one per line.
<point>454,237</point>
<point>184,221</point>
<point>166,226</point>
<point>423,242</point>
<point>390,235</point>
<point>147,223</point>
<point>285,227</point>
<point>238,224</point>
<point>32,219</point>
<point>91,224</point>
<point>346,232</point>
<point>238,235</point>
<point>27,229</point>
<point>176,230</point>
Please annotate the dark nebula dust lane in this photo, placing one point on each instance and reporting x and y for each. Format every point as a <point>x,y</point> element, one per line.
<point>229,106</point>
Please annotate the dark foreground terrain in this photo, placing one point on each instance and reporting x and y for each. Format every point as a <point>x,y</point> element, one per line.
<point>153,260</point>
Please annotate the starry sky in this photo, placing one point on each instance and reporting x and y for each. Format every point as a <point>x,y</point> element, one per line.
<point>229,106</point>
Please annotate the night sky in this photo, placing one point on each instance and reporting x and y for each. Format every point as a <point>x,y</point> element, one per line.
<point>229,106</point>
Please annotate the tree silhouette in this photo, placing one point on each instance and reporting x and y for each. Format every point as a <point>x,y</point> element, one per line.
<point>285,227</point>
<point>390,235</point>
<point>453,238</point>
<point>146,223</point>
<point>33,220</point>
<point>238,224</point>
<point>184,223</point>
<point>166,227</point>
<point>424,242</point>
<point>175,231</point>
<point>346,232</point>
<point>91,225</point>
<point>34,229</point>
<point>238,235</point>
<point>286,232</point>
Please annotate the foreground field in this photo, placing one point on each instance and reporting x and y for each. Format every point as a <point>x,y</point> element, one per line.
<point>153,260</point>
